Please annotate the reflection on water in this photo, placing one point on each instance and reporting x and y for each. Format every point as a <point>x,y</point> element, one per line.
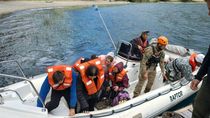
<point>40,38</point>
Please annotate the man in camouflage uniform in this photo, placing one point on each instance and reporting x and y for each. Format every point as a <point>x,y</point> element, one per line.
<point>151,57</point>
<point>183,67</point>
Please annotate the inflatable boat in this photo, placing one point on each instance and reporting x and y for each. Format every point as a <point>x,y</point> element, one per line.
<point>19,100</point>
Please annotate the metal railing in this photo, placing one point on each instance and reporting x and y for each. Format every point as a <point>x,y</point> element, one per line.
<point>22,78</point>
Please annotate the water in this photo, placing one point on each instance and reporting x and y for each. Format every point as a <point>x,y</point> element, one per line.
<point>40,38</point>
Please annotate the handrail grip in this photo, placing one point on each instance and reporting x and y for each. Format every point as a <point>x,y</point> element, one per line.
<point>14,92</point>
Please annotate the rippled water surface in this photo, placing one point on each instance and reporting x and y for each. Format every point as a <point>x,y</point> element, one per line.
<point>40,38</point>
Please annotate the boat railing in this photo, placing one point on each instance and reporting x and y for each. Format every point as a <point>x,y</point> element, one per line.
<point>22,78</point>
<point>19,96</point>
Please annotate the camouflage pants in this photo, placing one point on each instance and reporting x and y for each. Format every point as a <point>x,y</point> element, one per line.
<point>201,104</point>
<point>151,72</point>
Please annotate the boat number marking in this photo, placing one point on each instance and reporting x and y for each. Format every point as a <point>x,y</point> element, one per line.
<point>176,95</point>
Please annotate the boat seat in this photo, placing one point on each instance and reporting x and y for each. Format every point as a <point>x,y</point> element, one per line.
<point>124,52</point>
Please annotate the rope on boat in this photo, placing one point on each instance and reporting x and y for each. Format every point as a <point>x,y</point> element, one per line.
<point>107,30</point>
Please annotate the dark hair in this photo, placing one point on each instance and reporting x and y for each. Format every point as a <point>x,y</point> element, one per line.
<point>145,32</point>
<point>110,58</point>
<point>91,71</point>
<point>84,60</point>
<point>93,56</point>
<point>57,76</point>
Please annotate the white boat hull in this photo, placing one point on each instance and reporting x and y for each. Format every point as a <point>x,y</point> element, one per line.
<point>147,105</point>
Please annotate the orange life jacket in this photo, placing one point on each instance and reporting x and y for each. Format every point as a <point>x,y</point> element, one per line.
<point>192,61</point>
<point>78,62</point>
<point>119,76</point>
<point>89,83</point>
<point>103,60</point>
<point>67,70</point>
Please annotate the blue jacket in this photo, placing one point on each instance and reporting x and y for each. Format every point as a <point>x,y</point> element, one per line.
<point>46,88</point>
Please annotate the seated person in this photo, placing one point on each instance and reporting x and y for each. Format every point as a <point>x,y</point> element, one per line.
<point>139,44</point>
<point>89,84</point>
<point>119,81</point>
<point>183,67</point>
<point>62,80</point>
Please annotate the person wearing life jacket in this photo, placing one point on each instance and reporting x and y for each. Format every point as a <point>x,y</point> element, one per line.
<point>89,83</point>
<point>119,79</point>
<point>183,67</point>
<point>152,56</point>
<point>61,79</point>
<point>107,62</point>
<point>79,61</point>
<point>139,44</point>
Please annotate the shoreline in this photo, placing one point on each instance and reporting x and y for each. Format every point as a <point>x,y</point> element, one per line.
<point>7,7</point>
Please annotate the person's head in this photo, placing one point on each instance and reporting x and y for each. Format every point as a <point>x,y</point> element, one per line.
<point>199,59</point>
<point>58,77</point>
<point>208,5</point>
<point>92,72</point>
<point>93,56</point>
<point>115,70</point>
<point>144,35</point>
<point>162,41</point>
<point>118,67</point>
<point>109,60</point>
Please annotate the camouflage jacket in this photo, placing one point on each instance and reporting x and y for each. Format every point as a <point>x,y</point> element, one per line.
<point>148,53</point>
<point>179,68</point>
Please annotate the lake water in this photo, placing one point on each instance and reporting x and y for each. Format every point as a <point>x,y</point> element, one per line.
<point>44,37</point>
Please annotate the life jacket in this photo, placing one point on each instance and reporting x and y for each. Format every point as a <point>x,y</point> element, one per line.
<point>192,61</point>
<point>154,59</point>
<point>89,83</point>
<point>103,60</point>
<point>119,76</point>
<point>143,44</point>
<point>78,62</point>
<point>67,70</point>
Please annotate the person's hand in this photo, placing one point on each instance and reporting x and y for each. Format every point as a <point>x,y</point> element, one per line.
<point>140,48</point>
<point>165,77</point>
<point>116,88</point>
<point>108,88</point>
<point>71,112</point>
<point>194,84</point>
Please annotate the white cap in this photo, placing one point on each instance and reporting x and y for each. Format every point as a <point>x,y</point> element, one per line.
<point>199,58</point>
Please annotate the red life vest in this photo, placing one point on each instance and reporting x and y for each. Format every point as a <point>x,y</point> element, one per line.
<point>89,83</point>
<point>67,70</point>
<point>192,61</point>
<point>118,77</point>
<point>143,44</point>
